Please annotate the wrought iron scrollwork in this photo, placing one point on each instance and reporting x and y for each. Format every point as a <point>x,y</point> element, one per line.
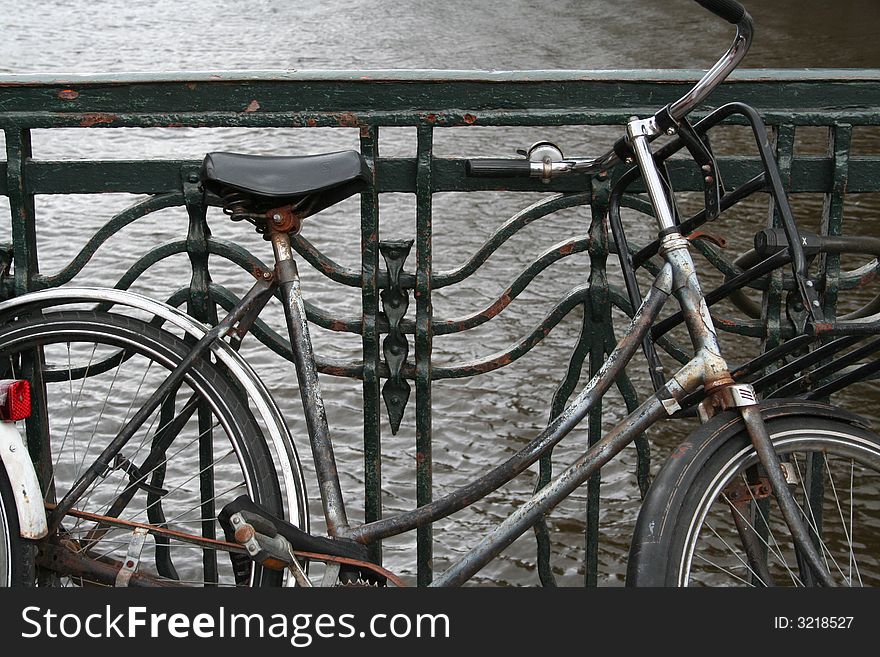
<point>395,347</point>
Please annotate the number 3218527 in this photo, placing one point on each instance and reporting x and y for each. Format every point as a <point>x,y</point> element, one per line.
<point>813,622</point>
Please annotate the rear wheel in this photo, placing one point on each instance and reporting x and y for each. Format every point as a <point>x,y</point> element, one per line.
<point>720,524</point>
<point>200,449</point>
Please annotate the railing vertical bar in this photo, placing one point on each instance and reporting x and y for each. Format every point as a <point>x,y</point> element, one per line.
<point>26,266</point>
<point>772,302</point>
<point>369,143</point>
<point>199,305</point>
<point>423,347</point>
<point>839,143</point>
<point>21,203</point>
<point>598,323</point>
<point>545,471</point>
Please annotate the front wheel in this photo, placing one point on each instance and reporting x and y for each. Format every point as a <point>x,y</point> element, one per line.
<point>711,518</point>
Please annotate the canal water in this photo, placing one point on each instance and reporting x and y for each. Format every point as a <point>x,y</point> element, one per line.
<point>478,422</point>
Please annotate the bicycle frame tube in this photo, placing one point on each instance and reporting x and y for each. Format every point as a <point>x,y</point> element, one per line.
<point>679,275</point>
<point>706,366</point>
<point>287,277</point>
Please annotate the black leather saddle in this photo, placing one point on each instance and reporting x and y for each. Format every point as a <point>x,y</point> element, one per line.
<point>308,182</point>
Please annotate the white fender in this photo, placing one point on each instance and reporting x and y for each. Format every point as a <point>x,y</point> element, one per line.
<point>25,485</point>
<point>287,459</point>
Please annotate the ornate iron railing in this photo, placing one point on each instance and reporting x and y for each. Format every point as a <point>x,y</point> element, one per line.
<point>396,322</point>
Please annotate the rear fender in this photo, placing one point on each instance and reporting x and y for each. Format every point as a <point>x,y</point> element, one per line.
<point>25,485</point>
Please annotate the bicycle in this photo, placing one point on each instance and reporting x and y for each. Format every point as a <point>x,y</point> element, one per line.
<point>757,468</point>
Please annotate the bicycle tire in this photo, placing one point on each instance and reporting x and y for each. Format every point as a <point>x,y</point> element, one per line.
<point>10,542</point>
<point>686,534</point>
<point>96,366</point>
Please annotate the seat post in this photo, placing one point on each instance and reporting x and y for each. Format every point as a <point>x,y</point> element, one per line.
<point>307,376</point>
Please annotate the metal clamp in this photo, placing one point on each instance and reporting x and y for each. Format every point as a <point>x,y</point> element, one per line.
<point>727,396</point>
<point>741,394</point>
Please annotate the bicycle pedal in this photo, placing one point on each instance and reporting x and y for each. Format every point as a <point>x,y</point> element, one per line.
<point>273,540</point>
<point>274,552</point>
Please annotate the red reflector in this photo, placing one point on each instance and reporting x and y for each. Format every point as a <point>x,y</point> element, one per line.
<point>15,400</point>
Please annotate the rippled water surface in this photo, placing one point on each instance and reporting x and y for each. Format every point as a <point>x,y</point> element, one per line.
<point>477,422</point>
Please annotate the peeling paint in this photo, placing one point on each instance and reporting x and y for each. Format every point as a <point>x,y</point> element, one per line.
<point>96,118</point>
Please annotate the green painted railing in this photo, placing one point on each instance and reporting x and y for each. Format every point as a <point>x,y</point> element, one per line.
<point>845,104</point>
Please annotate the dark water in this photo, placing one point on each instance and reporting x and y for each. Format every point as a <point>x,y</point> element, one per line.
<point>478,422</point>
<point>512,34</point>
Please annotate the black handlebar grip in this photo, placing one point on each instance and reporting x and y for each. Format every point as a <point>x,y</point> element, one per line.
<point>498,168</point>
<point>729,10</point>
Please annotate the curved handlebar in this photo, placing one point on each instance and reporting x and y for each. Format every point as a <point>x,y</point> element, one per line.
<point>724,66</point>
<point>729,10</point>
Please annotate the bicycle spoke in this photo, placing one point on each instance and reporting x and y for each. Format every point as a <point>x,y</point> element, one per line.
<point>215,497</point>
<point>173,520</point>
<point>813,524</point>
<point>95,534</point>
<point>71,422</point>
<point>723,569</point>
<point>847,532</point>
<point>97,422</point>
<point>164,461</point>
<point>783,562</point>
<point>811,517</point>
<point>85,496</point>
<point>137,451</point>
<point>167,459</point>
<point>778,548</point>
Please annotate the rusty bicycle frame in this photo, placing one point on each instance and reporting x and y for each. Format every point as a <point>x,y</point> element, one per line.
<point>677,277</point>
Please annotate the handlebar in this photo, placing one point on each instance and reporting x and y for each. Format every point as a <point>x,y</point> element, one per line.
<point>728,62</point>
<point>729,10</point>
